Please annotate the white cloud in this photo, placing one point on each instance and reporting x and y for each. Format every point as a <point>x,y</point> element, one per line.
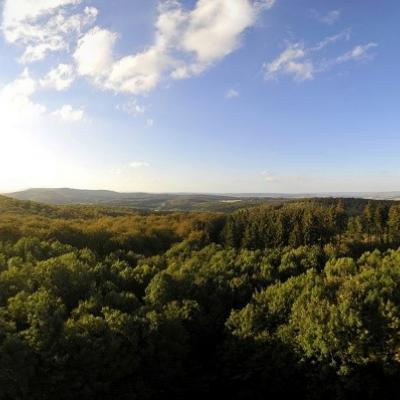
<point>17,11</point>
<point>260,4</point>
<point>215,26</point>
<point>138,74</point>
<point>54,35</point>
<point>301,71</point>
<point>328,19</point>
<point>231,94</point>
<point>20,111</point>
<point>344,35</point>
<point>43,26</point>
<point>150,122</point>
<point>132,107</point>
<point>135,74</point>
<point>59,78</point>
<point>68,114</point>
<point>269,177</point>
<point>16,104</point>
<point>291,61</point>
<point>142,72</point>
<point>213,30</point>
<point>139,164</point>
<point>358,53</point>
<point>302,63</point>
<point>93,55</point>
<point>187,42</point>
<point>39,51</point>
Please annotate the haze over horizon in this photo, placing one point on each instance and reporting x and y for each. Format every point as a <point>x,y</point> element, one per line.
<point>362,194</point>
<point>206,96</point>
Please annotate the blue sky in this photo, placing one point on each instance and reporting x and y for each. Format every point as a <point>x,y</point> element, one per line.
<point>200,96</point>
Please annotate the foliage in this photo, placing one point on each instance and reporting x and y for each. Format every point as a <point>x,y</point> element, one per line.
<point>301,299</point>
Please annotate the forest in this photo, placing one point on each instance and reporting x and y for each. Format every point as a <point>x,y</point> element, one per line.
<point>294,299</point>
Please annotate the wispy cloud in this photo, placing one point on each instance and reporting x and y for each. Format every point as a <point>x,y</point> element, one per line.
<point>292,61</point>
<point>269,177</point>
<point>328,19</point>
<point>231,94</point>
<point>343,35</point>
<point>139,164</point>
<point>132,107</point>
<point>303,63</point>
<point>358,53</point>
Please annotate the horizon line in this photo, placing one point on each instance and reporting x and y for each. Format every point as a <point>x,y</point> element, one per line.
<point>206,192</point>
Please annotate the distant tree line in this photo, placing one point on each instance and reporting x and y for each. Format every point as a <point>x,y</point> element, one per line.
<point>314,222</point>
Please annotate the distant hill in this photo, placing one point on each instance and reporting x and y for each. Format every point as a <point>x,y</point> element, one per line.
<point>147,201</point>
<point>179,201</point>
<point>76,196</point>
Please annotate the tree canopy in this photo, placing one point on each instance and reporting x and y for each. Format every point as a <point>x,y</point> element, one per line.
<point>298,299</point>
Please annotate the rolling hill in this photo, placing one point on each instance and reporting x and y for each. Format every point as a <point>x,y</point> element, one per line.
<point>147,201</point>
<point>178,201</point>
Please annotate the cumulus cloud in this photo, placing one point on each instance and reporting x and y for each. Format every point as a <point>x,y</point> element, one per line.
<point>19,108</point>
<point>214,28</point>
<point>17,11</point>
<point>59,78</point>
<point>16,104</point>
<point>43,26</point>
<point>212,31</point>
<point>187,42</point>
<point>139,73</point>
<point>68,114</point>
<point>93,55</point>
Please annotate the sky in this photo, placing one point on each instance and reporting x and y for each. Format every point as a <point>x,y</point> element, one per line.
<point>221,96</point>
